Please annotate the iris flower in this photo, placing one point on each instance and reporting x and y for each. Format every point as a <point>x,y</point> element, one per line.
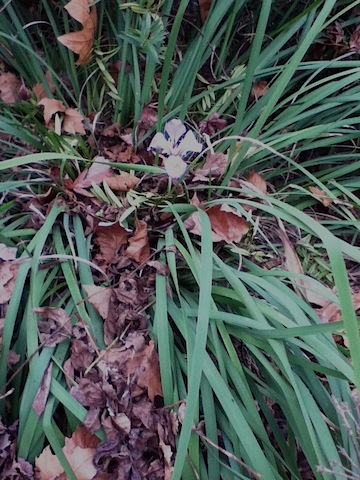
<point>173,146</point>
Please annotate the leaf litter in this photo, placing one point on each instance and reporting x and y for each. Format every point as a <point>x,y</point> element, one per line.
<point>120,386</point>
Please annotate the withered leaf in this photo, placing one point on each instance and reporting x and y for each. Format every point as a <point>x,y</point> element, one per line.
<point>227,223</point>
<point>293,265</point>
<point>321,195</point>
<point>9,87</point>
<point>331,312</point>
<point>354,42</point>
<point>214,166</point>
<point>8,273</point>
<point>123,182</point>
<point>7,253</point>
<point>98,171</point>
<point>259,89</point>
<point>213,125</point>
<point>73,120</point>
<point>258,181</point>
<point>41,396</point>
<point>51,106</point>
<point>204,6</point>
<point>56,327</point>
<point>139,248</point>
<point>79,451</point>
<point>99,297</point>
<point>110,239</point>
<point>81,42</point>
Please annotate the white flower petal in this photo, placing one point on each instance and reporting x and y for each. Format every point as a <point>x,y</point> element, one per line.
<point>189,144</point>
<point>159,143</point>
<point>175,166</point>
<point>175,129</point>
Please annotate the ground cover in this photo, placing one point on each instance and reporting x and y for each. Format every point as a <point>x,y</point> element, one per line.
<point>179,252</point>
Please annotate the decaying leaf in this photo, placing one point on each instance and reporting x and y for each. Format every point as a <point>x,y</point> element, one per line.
<point>7,253</point>
<point>123,182</point>
<point>72,121</point>
<point>139,248</point>
<point>41,396</point>
<point>213,125</point>
<point>227,223</point>
<point>293,265</point>
<point>258,181</point>
<point>39,89</point>
<point>9,87</point>
<point>99,297</point>
<point>204,6</point>
<point>98,171</point>
<point>55,327</point>
<point>259,89</point>
<point>354,42</point>
<point>81,42</point>
<point>321,195</point>
<point>110,239</point>
<point>214,166</point>
<point>8,273</point>
<point>79,451</point>
<point>331,312</point>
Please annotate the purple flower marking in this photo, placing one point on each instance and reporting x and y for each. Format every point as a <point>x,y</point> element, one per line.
<point>173,146</point>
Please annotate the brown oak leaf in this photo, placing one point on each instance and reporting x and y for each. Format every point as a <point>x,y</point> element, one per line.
<point>258,181</point>
<point>214,166</point>
<point>9,87</point>
<point>139,248</point>
<point>123,182</point>
<point>227,223</point>
<point>110,239</point>
<point>81,42</point>
<point>72,121</point>
<point>79,451</point>
<point>321,195</point>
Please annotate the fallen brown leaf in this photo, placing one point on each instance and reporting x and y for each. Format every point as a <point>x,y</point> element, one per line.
<point>293,265</point>
<point>98,171</point>
<point>39,89</point>
<point>321,195</point>
<point>55,327</point>
<point>331,312</point>
<point>110,239</point>
<point>204,6</point>
<point>51,106</point>
<point>8,273</point>
<point>139,248</point>
<point>81,42</point>
<point>258,181</point>
<point>227,223</point>
<point>79,451</point>
<point>99,297</point>
<point>9,87</point>
<point>72,121</point>
<point>214,166</point>
<point>41,396</point>
<point>259,89</point>
<point>7,253</point>
<point>123,182</point>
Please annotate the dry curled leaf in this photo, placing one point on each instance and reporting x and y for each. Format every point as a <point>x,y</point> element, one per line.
<point>204,6</point>
<point>81,42</point>
<point>123,182</point>
<point>301,286</point>
<point>321,195</point>
<point>139,248</point>
<point>99,297</point>
<point>72,121</point>
<point>110,239</point>
<point>259,89</point>
<point>258,181</point>
<point>227,223</point>
<point>9,87</point>
<point>214,166</point>
<point>79,451</point>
